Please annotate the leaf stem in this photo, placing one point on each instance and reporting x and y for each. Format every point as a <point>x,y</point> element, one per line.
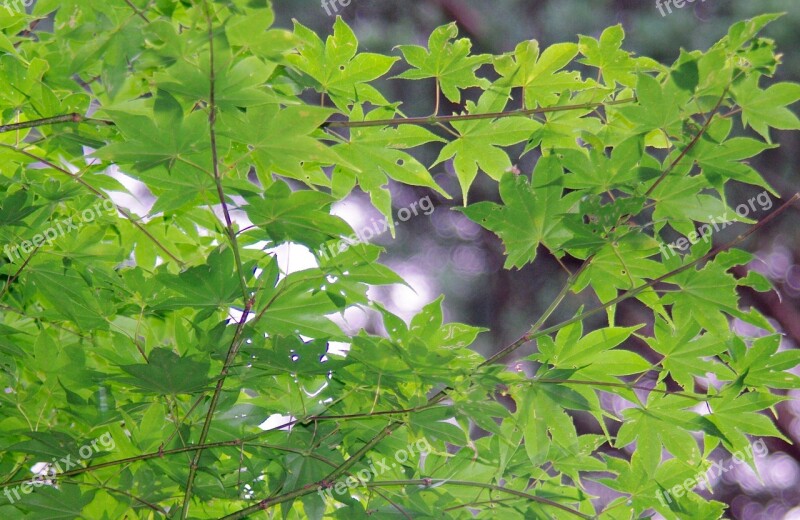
<point>212,407</point>
<point>142,501</point>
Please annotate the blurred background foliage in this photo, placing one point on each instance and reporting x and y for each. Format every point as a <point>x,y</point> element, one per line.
<point>447,254</point>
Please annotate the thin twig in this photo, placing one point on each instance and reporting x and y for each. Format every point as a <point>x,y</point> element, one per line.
<point>55,120</point>
<point>428,482</point>
<point>434,120</point>
<point>541,321</point>
<point>691,144</point>
<point>137,11</point>
<point>212,407</point>
<point>13,277</point>
<point>236,343</point>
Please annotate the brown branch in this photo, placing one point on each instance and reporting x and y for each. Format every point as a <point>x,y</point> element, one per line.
<point>236,343</point>
<point>55,120</point>
<point>435,120</point>
<point>247,441</point>
<point>423,120</point>
<point>428,482</point>
<point>137,11</point>
<point>235,443</point>
<point>692,144</point>
<point>628,386</point>
<point>212,407</point>
<point>13,277</point>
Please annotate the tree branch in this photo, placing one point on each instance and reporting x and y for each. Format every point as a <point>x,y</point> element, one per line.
<point>137,11</point>
<point>233,350</point>
<point>55,120</point>
<point>691,144</point>
<point>428,482</point>
<point>234,443</point>
<point>435,120</point>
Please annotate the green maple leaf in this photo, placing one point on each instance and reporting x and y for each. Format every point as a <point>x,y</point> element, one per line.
<point>621,264</point>
<point>479,143</point>
<point>336,67</point>
<point>680,203</point>
<point>251,30</point>
<point>722,159</point>
<point>563,128</point>
<point>548,430</point>
<point>529,212</point>
<point>208,287</point>
<point>375,153</point>
<point>587,349</point>
<point>447,61</point>
<point>70,296</point>
<point>179,186</point>
<point>765,109</point>
<point>658,106</point>
<point>736,416</point>
<point>160,139</point>
<point>279,139</point>
<point>237,84</point>
<point>762,365</point>
<point>299,305</point>
<point>706,295</point>
<point>663,421</point>
<point>109,43</point>
<point>167,373</point>
<point>615,64</point>
<point>62,503</point>
<point>593,170</point>
<point>687,355</point>
<point>647,487</point>
<point>537,74</point>
<point>302,217</point>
